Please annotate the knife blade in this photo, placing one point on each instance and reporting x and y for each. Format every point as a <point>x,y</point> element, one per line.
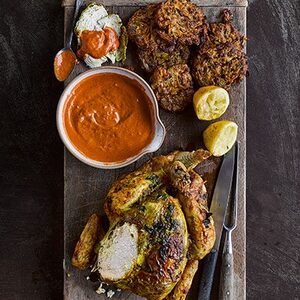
<point>218,209</point>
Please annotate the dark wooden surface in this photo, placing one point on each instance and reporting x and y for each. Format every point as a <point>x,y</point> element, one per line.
<point>32,156</point>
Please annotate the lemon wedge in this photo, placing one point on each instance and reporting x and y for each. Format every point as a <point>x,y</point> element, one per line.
<point>210,102</point>
<point>220,136</point>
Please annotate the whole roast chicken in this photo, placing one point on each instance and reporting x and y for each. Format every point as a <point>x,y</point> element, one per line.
<point>160,227</point>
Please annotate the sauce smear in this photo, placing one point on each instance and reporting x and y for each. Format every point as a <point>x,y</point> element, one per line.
<point>108,117</point>
<point>64,63</point>
<point>98,43</point>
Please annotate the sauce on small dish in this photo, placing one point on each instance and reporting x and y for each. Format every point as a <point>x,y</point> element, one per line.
<point>108,117</point>
<point>64,63</point>
<point>98,43</point>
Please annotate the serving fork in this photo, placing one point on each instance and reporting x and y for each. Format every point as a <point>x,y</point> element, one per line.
<point>227,268</point>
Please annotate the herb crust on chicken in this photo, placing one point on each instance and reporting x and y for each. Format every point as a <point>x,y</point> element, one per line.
<point>154,242</point>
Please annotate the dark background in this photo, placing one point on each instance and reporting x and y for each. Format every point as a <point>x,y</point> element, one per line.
<point>31,164</point>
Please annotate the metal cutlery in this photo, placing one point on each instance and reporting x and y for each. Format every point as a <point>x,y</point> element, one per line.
<point>227,269</point>
<point>218,210</point>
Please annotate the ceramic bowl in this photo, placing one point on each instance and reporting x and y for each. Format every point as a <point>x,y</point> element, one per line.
<point>159,129</point>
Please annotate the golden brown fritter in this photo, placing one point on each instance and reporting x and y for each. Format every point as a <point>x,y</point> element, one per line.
<point>220,60</point>
<point>173,87</point>
<point>222,66</point>
<point>180,21</point>
<point>225,32</point>
<point>152,59</point>
<point>141,30</point>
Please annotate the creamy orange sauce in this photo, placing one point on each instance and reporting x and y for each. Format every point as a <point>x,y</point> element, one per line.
<point>108,117</point>
<point>64,63</point>
<point>98,43</point>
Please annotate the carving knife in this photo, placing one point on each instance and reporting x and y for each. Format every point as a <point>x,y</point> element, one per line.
<point>218,209</point>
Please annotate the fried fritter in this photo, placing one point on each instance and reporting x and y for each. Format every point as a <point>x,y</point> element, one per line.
<point>173,87</point>
<point>153,59</point>
<point>141,30</point>
<point>222,66</point>
<point>220,60</point>
<point>180,21</point>
<point>225,32</point>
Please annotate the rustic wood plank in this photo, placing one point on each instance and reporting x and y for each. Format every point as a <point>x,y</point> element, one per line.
<point>209,3</point>
<point>86,187</point>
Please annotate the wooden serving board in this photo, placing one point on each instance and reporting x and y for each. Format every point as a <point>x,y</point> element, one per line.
<point>86,187</point>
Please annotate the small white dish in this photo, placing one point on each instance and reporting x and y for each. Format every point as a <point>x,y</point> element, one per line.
<point>159,129</point>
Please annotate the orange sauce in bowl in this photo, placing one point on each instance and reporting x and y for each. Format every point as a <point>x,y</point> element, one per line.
<point>108,117</point>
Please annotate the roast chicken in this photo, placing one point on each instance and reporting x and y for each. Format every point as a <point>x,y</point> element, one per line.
<point>160,227</point>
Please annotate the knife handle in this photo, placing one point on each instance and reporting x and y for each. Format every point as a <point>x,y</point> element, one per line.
<point>227,274</point>
<point>226,281</point>
<point>207,275</point>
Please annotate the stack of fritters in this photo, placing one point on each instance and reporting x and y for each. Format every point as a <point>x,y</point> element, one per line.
<point>163,33</point>
<point>220,59</point>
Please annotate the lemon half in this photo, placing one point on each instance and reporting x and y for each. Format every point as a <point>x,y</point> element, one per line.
<point>220,136</point>
<point>210,102</point>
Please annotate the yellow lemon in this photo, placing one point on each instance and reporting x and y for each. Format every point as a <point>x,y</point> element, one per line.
<point>210,102</point>
<point>220,136</point>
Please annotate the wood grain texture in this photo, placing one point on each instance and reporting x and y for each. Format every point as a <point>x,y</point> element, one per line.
<point>31,176</point>
<point>86,187</point>
<point>209,3</point>
<point>273,173</point>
